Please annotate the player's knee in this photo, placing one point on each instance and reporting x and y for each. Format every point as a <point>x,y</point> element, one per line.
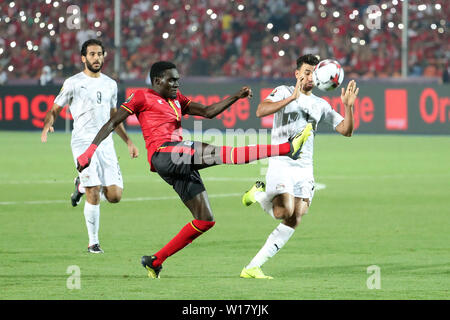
<point>114,199</point>
<point>282,212</point>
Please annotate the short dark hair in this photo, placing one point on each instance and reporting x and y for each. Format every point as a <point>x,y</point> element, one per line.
<point>91,42</point>
<point>308,59</point>
<point>159,67</point>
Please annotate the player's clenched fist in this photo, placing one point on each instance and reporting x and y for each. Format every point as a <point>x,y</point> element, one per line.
<point>84,160</point>
<point>245,92</point>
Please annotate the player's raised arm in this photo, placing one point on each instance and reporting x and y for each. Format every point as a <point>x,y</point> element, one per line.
<point>50,118</point>
<point>348,97</point>
<point>211,111</point>
<point>120,130</point>
<point>118,117</point>
<point>268,107</point>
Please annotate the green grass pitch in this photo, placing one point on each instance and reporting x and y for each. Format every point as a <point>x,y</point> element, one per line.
<point>385,203</point>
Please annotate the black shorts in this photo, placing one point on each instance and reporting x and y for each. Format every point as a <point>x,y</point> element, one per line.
<point>174,162</point>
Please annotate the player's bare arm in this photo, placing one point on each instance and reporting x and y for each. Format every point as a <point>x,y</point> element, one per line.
<point>50,118</point>
<point>120,130</point>
<point>268,107</point>
<point>348,97</point>
<point>84,160</point>
<point>211,111</point>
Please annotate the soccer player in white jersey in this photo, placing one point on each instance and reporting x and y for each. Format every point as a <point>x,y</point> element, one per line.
<point>289,187</point>
<point>92,98</point>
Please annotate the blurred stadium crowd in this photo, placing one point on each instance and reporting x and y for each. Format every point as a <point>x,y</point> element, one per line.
<point>252,38</point>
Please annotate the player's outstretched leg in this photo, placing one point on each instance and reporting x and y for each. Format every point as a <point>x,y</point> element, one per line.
<point>249,197</point>
<point>75,197</point>
<point>208,155</point>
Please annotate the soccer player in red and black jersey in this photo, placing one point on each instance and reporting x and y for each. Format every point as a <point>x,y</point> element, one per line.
<point>159,111</point>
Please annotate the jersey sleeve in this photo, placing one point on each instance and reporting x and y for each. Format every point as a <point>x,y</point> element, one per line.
<point>277,94</point>
<point>184,102</point>
<point>330,116</point>
<point>114,96</point>
<point>65,95</point>
<point>134,102</point>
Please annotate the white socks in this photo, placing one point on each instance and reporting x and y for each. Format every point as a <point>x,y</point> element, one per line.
<point>276,240</point>
<point>266,204</point>
<point>92,217</point>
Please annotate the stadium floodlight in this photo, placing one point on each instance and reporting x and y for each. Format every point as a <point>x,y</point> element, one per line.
<point>270,26</point>
<point>276,39</point>
<point>187,7</point>
<point>362,42</point>
<point>61,19</point>
<point>97,24</point>
<point>433,26</point>
<point>172,21</point>
<point>336,14</point>
<point>384,6</point>
<point>1,50</point>
<point>391,24</point>
<point>281,53</point>
<point>241,7</point>
<point>209,12</point>
<point>286,36</point>
<point>48,1</point>
<point>361,27</point>
<point>13,44</point>
<point>313,29</point>
<point>214,16</point>
<point>155,7</point>
<point>441,30</point>
<point>323,14</point>
<point>165,35</point>
<point>395,2</point>
<point>50,26</point>
<point>422,7</point>
<point>56,4</point>
<point>400,26</point>
<point>23,18</point>
<point>354,40</point>
<point>324,2</point>
<point>12,4</point>
<point>393,10</point>
<point>52,33</point>
<point>11,68</point>
<point>437,6</point>
<point>355,12</point>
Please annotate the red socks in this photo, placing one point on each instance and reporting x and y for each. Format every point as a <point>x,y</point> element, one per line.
<point>186,235</point>
<point>239,155</point>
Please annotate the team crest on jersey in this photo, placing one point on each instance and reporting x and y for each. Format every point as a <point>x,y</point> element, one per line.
<point>129,98</point>
<point>178,104</point>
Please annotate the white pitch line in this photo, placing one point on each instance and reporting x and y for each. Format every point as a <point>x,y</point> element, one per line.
<point>319,186</point>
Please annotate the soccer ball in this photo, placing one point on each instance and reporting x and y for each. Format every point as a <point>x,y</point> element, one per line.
<point>328,75</point>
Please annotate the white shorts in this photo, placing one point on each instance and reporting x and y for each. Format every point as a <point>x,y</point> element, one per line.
<point>104,169</point>
<point>282,177</point>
